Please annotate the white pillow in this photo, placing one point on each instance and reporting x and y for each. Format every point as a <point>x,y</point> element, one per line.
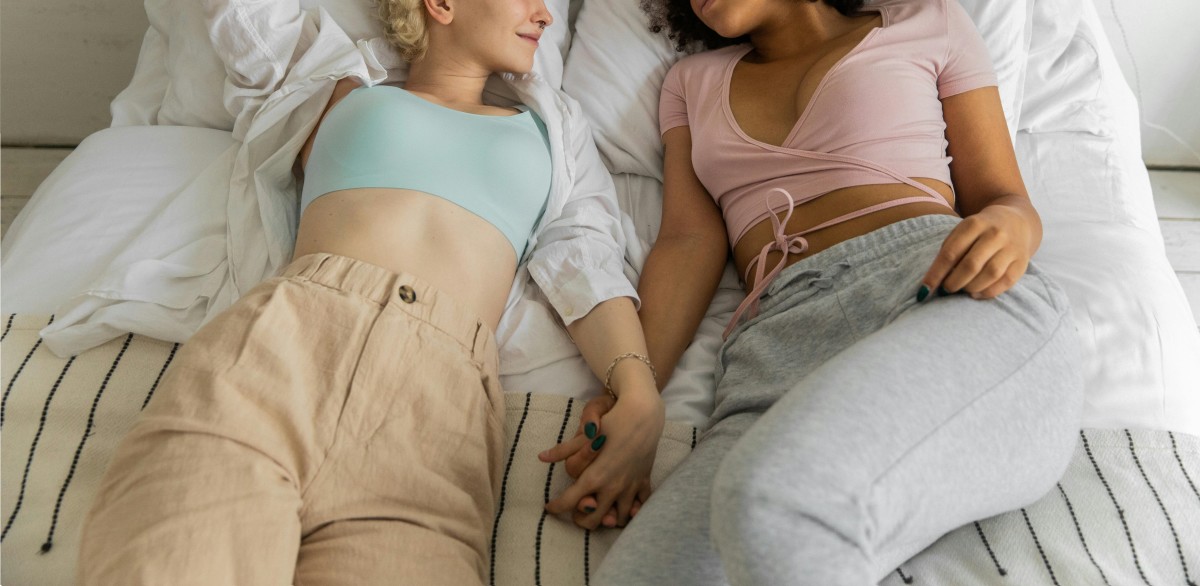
<point>358,18</point>
<point>616,67</point>
<point>139,103</point>
<point>100,198</point>
<point>1080,154</point>
<point>615,70</point>
<point>180,79</point>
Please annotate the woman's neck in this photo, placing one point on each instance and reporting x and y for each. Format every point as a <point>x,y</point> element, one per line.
<point>794,28</point>
<point>449,81</point>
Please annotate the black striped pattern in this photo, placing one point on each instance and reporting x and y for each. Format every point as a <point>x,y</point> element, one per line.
<point>170,357</point>
<point>1182,468</point>
<point>1037,542</point>
<point>1087,447</point>
<point>587,550</point>
<point>1079,531</point>
<point>537,562</point>
<point>16,375</point>
<point>504,489</point>
<point>1174,534</point>
<point>33,447</point>
<point>87,432</point>
<point>999,569</point>
<point>8,326</point>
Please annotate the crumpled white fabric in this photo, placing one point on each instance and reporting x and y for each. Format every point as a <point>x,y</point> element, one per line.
<point>235,224</point>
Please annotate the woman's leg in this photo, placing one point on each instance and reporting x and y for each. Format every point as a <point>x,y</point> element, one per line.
<point>407,494</point>
<point>668,543</point>
<point>206,488</point>
<point>338,426</point>
<point>957,410</point>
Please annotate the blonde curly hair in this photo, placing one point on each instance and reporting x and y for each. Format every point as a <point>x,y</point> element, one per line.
<point>404,26</point>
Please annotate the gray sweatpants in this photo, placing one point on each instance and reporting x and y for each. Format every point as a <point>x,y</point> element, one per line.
<point>854,426</point>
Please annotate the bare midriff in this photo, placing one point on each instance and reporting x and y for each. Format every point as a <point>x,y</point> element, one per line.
<point>832,205</point>
<point>406,231</point>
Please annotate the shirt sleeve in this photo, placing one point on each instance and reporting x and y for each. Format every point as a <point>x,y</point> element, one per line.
<point>672,108</point>
<point>967,65</point>
<point>579,259</point>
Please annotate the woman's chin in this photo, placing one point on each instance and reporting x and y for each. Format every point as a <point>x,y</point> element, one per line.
<point>518,68</point>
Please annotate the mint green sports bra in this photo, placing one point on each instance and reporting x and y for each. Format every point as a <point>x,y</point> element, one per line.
<point>496,167</point>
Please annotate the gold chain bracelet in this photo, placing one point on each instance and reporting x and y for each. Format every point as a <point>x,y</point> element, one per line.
<point>608,374</point>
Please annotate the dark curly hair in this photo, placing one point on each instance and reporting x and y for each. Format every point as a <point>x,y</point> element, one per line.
<point>691,34</point>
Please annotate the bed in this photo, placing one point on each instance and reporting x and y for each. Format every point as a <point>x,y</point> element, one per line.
<point>154,200</point>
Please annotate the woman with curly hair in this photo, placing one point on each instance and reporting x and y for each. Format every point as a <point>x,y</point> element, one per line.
<point>342,423</point>
<point>898,367</point>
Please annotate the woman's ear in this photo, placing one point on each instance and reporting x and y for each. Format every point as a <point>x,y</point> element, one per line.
<point>441,11</point>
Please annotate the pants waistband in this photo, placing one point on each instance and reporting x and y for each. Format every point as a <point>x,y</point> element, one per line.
<point>404,291</point>
<point>875,244</point>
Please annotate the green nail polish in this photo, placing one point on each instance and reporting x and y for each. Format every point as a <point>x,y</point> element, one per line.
<point>598,442</point>
<point>589,510</point>
<point>922,293</point>
<point>942,292</point>
<point>590,430</point>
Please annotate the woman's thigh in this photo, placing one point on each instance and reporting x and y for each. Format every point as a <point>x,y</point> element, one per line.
<point>216,464</point>
<point>952,410</point>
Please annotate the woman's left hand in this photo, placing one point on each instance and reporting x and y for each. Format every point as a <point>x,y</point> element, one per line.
<point>984,255</point>
<point>578,452</point>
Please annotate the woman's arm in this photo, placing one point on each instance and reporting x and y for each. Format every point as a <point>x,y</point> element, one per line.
<point>618,474</point>
<point>685,265</point>
<point>677,285</point>
<point>990,249</point>
<point>578,263</point>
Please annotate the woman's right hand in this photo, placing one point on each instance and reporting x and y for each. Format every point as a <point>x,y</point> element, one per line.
<point>613,474</point>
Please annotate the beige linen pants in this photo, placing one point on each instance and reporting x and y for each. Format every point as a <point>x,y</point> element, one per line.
<point>340,424</point>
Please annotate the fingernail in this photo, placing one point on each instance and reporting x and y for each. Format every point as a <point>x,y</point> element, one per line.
<point>598,442</point>
<point>942,292</point>
<point>590,430</point>
<point>922,293</point>
<point>589,510</point>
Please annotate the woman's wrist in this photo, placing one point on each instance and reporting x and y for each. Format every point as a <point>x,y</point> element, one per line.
<point>644,403</point>
<point>629,372</point>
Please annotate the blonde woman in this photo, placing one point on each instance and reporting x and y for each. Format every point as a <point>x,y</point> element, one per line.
<point>343,422</point>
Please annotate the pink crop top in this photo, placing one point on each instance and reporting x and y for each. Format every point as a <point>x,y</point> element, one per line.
<point>876,117</point>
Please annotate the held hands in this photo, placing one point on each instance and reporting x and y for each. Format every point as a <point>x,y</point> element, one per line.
<point>985,254</point>
<point>610,457</point>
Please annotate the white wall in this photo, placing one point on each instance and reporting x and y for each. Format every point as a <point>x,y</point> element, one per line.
<point>1158,48</point>
<point>61,63</point>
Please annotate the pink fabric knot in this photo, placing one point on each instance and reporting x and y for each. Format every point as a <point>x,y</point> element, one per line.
<point>786,243</point>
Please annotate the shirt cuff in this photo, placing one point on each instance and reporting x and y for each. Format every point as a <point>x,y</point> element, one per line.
<point>574,292</point>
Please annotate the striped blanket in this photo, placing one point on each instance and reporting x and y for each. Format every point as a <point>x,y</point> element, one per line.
<point>1126,512</point>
